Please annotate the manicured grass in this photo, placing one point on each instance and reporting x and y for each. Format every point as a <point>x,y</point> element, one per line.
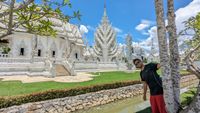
<point>13,88</point>
<point>186,98</point>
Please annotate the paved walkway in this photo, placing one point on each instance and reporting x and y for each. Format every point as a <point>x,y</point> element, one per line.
<point>27,79</point>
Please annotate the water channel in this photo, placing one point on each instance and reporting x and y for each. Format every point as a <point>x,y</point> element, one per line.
<point>130,105</point>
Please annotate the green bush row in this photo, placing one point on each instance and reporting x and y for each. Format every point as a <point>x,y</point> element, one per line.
<point>53,94</point>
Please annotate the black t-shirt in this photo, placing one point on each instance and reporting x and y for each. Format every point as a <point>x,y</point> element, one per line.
<point>151,77</point>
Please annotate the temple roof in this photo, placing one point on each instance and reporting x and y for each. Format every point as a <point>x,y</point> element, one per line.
<point>71,31</point>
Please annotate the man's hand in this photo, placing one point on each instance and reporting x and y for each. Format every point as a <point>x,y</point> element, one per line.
<point>144,97</point>
<point>158,66</point>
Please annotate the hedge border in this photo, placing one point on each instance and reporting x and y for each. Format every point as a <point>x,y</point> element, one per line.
<point>53,94</point>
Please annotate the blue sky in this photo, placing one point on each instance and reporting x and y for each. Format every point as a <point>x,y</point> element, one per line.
<point>123,14</point>
<point>135,17</point>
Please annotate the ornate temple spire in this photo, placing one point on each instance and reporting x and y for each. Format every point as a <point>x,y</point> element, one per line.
<point>104,19</point>
<point>105,47</point>
<point>129,51</point>
<point>152,51</point>
<point>104,14</point>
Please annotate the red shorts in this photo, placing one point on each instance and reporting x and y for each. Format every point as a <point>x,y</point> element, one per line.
<point>157,104</point>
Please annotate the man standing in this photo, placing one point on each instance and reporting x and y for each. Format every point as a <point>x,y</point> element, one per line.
<point>150,78</point>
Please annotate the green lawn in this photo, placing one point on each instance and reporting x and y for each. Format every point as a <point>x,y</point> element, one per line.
<point>12,88</point>
<point>186,98</point>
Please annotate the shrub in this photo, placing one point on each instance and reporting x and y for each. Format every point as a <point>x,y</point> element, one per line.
<point>53,94</point>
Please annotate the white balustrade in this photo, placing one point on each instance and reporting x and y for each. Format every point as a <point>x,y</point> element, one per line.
<point>14,60</point>
<point>3,55</point>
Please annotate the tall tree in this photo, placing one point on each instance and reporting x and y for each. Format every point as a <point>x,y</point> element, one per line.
<point>174,53</point>
<point>173,78</point>
<point>164,57</point>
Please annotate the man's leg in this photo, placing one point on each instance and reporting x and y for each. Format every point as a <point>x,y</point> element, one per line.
<point>154,106</point>
<point>160,104</point>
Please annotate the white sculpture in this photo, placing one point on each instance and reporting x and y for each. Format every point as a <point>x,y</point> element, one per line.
<point>105,48</point>
<point>129,52</point>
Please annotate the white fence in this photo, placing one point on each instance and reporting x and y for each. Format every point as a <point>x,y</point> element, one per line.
<point>81,65</point>
<point>3,55</point>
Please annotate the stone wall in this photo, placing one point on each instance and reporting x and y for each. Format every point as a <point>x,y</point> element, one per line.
<point>69,104</point>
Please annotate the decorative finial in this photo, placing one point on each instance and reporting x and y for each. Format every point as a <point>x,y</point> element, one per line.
<point>105,4</point>
<point>105,8</point>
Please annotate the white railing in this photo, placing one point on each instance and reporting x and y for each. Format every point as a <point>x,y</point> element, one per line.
<point>15,60</point>
<point>28,60</point>
<point>69,67</point>
<point>92,62</point>
<point>39,59</point>
<point>21,60</point>
<point>3,55</point>
<point>107,63</point>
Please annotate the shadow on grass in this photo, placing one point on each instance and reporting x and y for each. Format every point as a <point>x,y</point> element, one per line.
<point>147,110</point>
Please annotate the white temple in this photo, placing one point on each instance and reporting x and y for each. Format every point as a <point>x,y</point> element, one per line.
<point>64,54</point>
<point>53,55</point>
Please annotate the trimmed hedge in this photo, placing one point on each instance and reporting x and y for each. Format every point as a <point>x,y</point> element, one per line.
<point>53,94</point>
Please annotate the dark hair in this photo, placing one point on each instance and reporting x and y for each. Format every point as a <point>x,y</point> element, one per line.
<point>137,59</point>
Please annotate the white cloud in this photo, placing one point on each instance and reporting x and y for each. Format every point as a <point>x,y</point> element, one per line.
<point>186,12</point>
<point>152,35</point>
<point>122,35</point>
<point>121,45</point>
<point>83,29</point>
<point>147,22</point>
<point>91,28</point>
<point>143,25</point>
<point>182,14</point>
<point>145,33</point>
<point>118,30</point>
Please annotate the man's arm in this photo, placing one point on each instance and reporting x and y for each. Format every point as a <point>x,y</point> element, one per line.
<point>158,66</point>
<point>145,90</point>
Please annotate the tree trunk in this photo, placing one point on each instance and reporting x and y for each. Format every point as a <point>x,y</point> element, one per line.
<point>174,53</point>
<point>164,58</point>
<point>10,23</point>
